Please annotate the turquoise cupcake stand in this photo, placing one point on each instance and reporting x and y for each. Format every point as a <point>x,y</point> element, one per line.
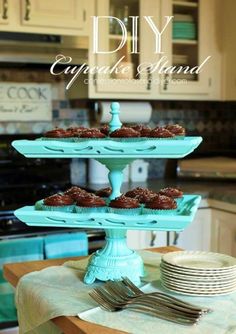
<point>115,260</point>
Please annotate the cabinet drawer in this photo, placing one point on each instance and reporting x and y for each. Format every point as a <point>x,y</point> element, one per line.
<point>70,14</point>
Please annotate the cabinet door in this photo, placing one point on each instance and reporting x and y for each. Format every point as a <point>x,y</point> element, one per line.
<point>197,235</point>
<point>125,79</point>
<point>224,232</point>
<point>186,43</point>
<point>69,14</point>
<point>228,10</point>
<point>4,12</point>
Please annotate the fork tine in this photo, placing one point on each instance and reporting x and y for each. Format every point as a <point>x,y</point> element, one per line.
<point>120,290</point>
<point>131,285</point>
<point>98,298</point>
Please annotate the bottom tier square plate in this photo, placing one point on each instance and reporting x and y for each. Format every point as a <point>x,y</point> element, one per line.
<point>177,221</point>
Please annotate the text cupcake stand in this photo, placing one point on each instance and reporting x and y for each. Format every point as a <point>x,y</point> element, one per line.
<point>115,260</point>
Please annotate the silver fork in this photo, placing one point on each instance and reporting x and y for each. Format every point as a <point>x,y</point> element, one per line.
<point>137,292</point>
<point>147,301</point>
<point>122,293</point>
<point>112,306</point>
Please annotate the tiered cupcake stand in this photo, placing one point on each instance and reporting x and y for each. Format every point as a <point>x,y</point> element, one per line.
<point>115,260</point>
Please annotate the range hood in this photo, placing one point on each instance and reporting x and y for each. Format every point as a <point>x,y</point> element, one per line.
<point>40,48</point>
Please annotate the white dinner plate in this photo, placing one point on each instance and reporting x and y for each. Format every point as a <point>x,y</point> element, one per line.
<point>198,294</point>
<point>198,260</point>
<point>203,282</point>
<point>202,276</point>
<point>198,284</point>
<point>199,289</point>
<point>191,271</point>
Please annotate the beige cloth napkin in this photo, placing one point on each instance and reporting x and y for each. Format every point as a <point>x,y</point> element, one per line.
<point>57,291</point>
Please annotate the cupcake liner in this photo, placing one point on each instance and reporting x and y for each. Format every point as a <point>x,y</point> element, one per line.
<point>147,211</point>
<point>38,205</point>
<point>94,209</point>
<point>89,138</point>
<point>129,212</point>
<point>157,138</point>
<point>64,208</point>
<point>70,140</point>
<point>179,137</point>
<point>107,200</point>
<point>127,139</point>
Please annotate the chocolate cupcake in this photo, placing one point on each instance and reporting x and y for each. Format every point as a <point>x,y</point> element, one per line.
<point>90,203</point>
<point>75,191</point>
<point>160,204</point>
<point>76,131</point>
<point>105,129</point>
<point>58,202</point>
<point>58,134</point>
<point>125,133</point>
<point>143,195</point>
<point>177,130</point>
<point>174,193</point>
<point>143,130</point>
<point>92,133</point>
<point>124,205</point>
<point>162,133</point>
<point>171,192</point>
<point>104,193</point>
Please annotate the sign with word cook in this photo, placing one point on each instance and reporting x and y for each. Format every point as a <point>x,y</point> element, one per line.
<point>25,102</point>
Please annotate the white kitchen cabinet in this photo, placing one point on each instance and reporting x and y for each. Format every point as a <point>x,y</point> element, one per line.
<point>229,50</point>
<point>129,84</point>
<point>4,12</point>
<point>223,232</point>
<point>197,236</point>
<point>146,239</point>
<point>59,17</point>
<point>212,230</point>
<point>184,48</point>
<point>70,14</point>
<point>138,239</point>
<point>154,86</point>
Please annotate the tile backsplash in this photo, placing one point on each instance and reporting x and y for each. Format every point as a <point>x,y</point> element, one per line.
<point>214,121</point>
<point>63,115</point>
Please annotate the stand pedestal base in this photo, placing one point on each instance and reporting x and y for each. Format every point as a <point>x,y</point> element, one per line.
<point>115,260</point>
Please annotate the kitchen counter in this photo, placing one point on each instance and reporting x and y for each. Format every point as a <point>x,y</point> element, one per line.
<point>69,325</point>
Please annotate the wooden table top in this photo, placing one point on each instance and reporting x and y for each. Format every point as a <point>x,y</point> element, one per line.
<point>69,325</point>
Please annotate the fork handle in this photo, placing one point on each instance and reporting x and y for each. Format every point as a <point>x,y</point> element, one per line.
<point>164,316</point>
<point>176,301</point>
<point>165,309</point>
<point>168,304</point>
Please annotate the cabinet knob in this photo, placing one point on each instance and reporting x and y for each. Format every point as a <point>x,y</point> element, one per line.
<point>153,238</point>
<point>166,81</point>
<point>27,10</point>
<point>149,78</point>
<point>5,10</point>
<point>84,15</point>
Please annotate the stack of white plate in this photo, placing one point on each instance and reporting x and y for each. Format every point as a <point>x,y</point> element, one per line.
<point>198,273</point>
